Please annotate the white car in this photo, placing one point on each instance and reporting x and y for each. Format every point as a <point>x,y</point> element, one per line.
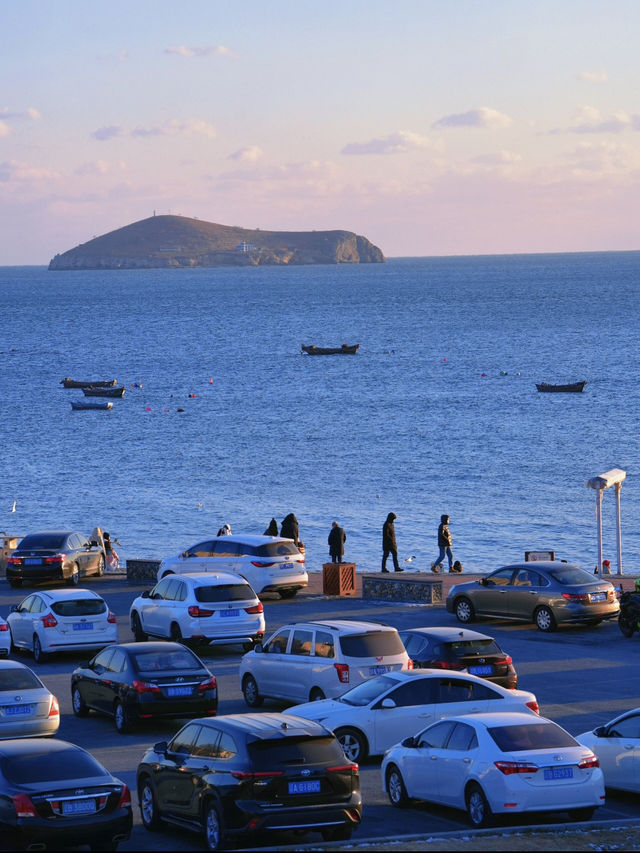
<point>504,763</point>
<point>27,707</point>
<point>62,620</point>
<point>308,661</point>
<point>268,563</point>
<point>215,608</point>
<point>617,745</point>
<point>368,719</point>
<point>5,638</point>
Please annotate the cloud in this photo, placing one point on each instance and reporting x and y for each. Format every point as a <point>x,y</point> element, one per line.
<point>108,132</point>
<point>16,170</point>
<point>600,76</point>
<point>30,113</point>
<point>5,130</point>
<point>174,127</point>
<point>590,120</point>
<point>497,158</point>
<point>98,167</point>
<point>481,117</point>
<point>250,154</point>
<point>602,158</point>
<point>190,52</point>
<point>395,143</point>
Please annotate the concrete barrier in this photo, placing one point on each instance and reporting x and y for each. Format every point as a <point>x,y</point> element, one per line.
<point>402,587</point>
<point>142,570</point>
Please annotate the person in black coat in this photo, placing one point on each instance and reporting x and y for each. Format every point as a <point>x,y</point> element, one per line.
<point>445,542</point>
<point>289,529</point>
<point>272,529</point>
<point>336,540</point>
<point>389,543</point>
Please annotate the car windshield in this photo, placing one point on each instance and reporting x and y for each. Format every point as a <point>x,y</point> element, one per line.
<point>224,592</point>
<point>150,661</point>
<point>520,738</point>
<point>44,541</point>
<point>473,647</point>
<point>369,690</point>
<point>48,766</point>
<point>372,644</point>
<point>571,575</point>
<point>292,751</point>
<point>277,549</point>
<point>19,679</point>
<point>79,607</point>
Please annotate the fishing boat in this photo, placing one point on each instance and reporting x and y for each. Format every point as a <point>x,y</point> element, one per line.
<point>78,405</point>
<point>95,391</point>
<point>97,383</point>
<point>570,386</point>
<point>345,349</point>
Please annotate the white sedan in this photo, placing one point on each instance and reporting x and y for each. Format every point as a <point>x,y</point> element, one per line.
<point>504,763</point>
<point>27,707</point>
<point>617,745</point>
<point>367,719</point>
<point>5,638</point>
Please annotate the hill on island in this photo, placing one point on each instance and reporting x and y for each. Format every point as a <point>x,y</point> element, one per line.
<point>177,241</point>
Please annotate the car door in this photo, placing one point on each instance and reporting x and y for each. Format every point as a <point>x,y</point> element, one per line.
<point>300,664</point>
<point>414,708</point>
<point>228,556</point>
<point>173,782</point>
<point>94,691</point>
<point>200,558</point>
<point>460,696</point>
<point>491,598</point>
<point>21,622</point>
<point>79,555</point>
<point>270,667</point>
<point>524,594</point>
<point>89,555</point>
<point>453,763</point>
<point>167,606</point>
<point>420,762</point>
<point>619,754</point>
<point>151,610</point>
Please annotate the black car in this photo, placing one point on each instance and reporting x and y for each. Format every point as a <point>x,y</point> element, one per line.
<point>52,555</point>
<point>468,651</point>
<point>137,681</point>
<point>56,795</point>
<point>244,774</point>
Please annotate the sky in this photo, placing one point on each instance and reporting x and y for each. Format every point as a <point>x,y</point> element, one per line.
<point>431,127</point>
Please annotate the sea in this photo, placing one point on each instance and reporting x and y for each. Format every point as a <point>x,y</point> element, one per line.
<point>224,420</point>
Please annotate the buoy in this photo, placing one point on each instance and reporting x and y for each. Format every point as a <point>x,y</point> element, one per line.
<point>444,359</point>
<point>192,395</point>
<point>148,409</point>
<point>210,381</point>
<point>180,410</point>
<point>483,374</point>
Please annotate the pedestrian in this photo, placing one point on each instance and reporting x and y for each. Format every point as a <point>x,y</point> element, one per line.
<point>272,529</point>
<point>289,529</point>
<point>337,538</point>
<point>444,544</point>
<point>110,554</point>
<point>225,530</point>
<point>389,543</point>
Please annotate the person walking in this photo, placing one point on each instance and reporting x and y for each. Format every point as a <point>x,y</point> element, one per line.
<point>444,544</point>
<point>289,528</point>
<point>337,538</point>
<point>389,543</point>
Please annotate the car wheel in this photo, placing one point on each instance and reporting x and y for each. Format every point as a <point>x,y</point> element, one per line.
<point>38,655</point>
<point>395,788</point>
<point>80,708</point>
<point>627,625</point>
<point>342,833</point>
<point>122,718</point>
<point>545,620</point>
<point>148,806</point>
<point>353,744</point>
<point>582,814</point>
<point>464,610</point>
<point>175,633</point>
<point>478,809</point>
<point>212,826</point>
<point>136,627</point>
<point>316,695</point>
<point>247,647</point>
<point>287,593</point>
<point>251,694</point>
<point>15,582</point>
<point>100,566</point>
<point>74,577</point>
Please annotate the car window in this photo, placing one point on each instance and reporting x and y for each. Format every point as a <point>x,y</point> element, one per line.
<point>79,607</point>
<point>172,590</point>
<point>417,691</point>
<point>629,727</point>
<point>82,542</point>
<point>473,647</point>
<point>224,592</point>
<point>160,589</point>
<point>524,577</point>
<point>482,692</point>
<point>227,747</point>
<point>39,605</point>
<point>223,548</point>
<point>206,742</point>
<point>298,751</point>
<point>245,550</point>
<point>571,575</point>
<point>500,578</point>
<point>436,736</point>
<point>277,549</point>
<point>324,645</point>
<point>35,769</point>
<point>368,691</point>
<point>118,661</point>
<point>372,644</point>
<point>301,642</point>
<point>19,678</point>
<point>185,739</point>
<point>519,738</point>
<point>26,605</point>
<point>103,658</point>
<point>44,541</point>
<point>414,643</point>
<point>202,549</point>
<point>454,690</point>
<point>463,737</point>
<point>278,643</point>
<point>174,660</point>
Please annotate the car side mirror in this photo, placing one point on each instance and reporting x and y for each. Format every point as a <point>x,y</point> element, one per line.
<point>600,731</point>
<point>15,608</point>
<point>409,742</point>
<point>98,668</point>
<point>258,647</point>
<point>483,582</point>
<point>145,594</point>
<point>161,746</point>
<point>387,703</point>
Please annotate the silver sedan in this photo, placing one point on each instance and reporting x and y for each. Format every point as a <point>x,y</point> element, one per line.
<point>27,708</point>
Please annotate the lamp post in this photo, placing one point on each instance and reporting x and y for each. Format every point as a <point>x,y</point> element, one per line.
<point>615,478</point>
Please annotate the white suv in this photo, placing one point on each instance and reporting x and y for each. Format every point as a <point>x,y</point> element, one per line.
<point>215,608</point>
<point>269,563</point>
<point>307,661</point>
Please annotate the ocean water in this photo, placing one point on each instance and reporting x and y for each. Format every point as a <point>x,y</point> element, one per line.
<point>437,413</point>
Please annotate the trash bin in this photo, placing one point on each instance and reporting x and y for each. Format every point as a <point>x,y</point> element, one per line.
<point>339,578</point>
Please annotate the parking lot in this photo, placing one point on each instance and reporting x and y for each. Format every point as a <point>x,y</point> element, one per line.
<point>582,677</point>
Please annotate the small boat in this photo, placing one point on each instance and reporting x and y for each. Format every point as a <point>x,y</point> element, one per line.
<point>575,387</point>
<point>78,405</point>
<point>98,383</point>
<point>95,391</point>
<point>345,349</point>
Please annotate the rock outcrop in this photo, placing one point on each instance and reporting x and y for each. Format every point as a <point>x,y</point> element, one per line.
<point>176,241</point>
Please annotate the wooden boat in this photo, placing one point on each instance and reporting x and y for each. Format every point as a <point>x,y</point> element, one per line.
<point>570,386</point>
<point>78,405</point>
<point>98,383</point>
<point>345,349</point>
<point>95,391</point>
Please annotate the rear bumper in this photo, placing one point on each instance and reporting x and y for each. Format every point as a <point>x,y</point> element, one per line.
<point>32,574</point>
<point>304,817</point>
<point>179,707</point>
<point>30,832</point>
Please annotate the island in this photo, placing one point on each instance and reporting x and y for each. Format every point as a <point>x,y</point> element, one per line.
<point>167,241</point>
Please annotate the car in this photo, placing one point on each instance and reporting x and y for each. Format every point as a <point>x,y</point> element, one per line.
<point>617,745</point>
<point>548,593</point>
<point>140,681</point>
<point>5,638</point>
<point>62,620</point>
<point>367,719</point>
<point>56,795</point>
<point>495,763</point>
<point>207,607</point>
<point>52,555</point>
<point>27,707</point>
<point>268,563</point>
<point>308,661</point>
<point>248,776</point>
<point>464,651</point>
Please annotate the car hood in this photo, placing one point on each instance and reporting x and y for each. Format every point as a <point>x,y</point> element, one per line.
<point>316,710</point>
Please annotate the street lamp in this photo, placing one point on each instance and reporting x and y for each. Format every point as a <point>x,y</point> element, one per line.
<point>613,478</point>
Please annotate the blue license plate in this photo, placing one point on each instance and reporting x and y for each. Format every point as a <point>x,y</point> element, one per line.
<point>17,710</point>
<point>178,691</point>
<point>480,670</point>
<point>83,626</point>
<point>558,773</point>
<point>79,807</point>
<point>310,787</point>
<point>379,670</point>
<point>32,561</point>
<point>598,596</point>
<point>229,613</point>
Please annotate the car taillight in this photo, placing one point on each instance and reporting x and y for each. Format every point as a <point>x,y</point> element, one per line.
<point>23,806</point>
<point>611,594</point>
<point>575,596</point>
<point>57,558</point>
<point>14,561</point>
<point>194,610</point>
<point>343,672</point>
<point>446,664</point>
<point>299,560</point>
<point>54,707</point>
<point>511,767</point>
<point>589,761</point>
<point>343,768</point>
<point>505,661</point>
<point>112,618</point>
<point>125,798</point>
<point>257,608</point>
<point>262,565</point>
<point>534,706</point>
<point>49,620</point>
<point>265,774</point>
<point>4,626</point>
<point>209,684</point>
<point>145,687</point>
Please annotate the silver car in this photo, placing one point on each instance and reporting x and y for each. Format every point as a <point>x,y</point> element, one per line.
<point>548,593</point>
<point>27,708</point>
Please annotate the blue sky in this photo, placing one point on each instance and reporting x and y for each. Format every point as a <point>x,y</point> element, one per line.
<point>435,127</point>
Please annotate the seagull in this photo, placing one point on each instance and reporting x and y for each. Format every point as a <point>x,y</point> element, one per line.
<point>410,559</point>
<point>13,508</point>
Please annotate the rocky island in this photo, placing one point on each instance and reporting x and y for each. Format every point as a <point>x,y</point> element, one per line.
<point>178,241</point>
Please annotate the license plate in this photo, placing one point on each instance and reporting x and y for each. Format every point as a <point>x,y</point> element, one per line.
<point>558,773</point>
<point>310,787</point>
<point>83,626</point>
<point>379,670</point>
<point>229,612</point>
<point>480,670</point>
<point>32,561</point>
<point>17,710</point>
<point>178,691</point>
<point>598,596</point>
<point>79,807</point>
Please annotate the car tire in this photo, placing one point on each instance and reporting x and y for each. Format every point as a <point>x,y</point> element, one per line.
<point>14,583</point>
<point>212,826</point>
<point>627,625</point>
<point>545,620</point>
<point>175,634</point>
<point>100,566</point>
<point>148,805</point>
<point>122,718</point>
<point>342,833</point>
<point>248,647</point>
<point>316,695</point>
<point>287,593</point>
<point>396,790</point>
<point>80,707</point>
<point>136,627</point>
<point>353,743</point>
<point>38,655</point>
<point>251,693</point>
<point>74,577</point>
<point>478,809</point>
<point>464,610</point>
<point>582,814</point>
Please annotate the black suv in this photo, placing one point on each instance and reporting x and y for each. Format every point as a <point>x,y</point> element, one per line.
<point>244,774</point>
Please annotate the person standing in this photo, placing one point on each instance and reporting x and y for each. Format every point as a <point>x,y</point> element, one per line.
<point>389,543</point>
<point>272,529</point>
<point>336,540</point>
<point>444,544</point>
<point>289,528</point>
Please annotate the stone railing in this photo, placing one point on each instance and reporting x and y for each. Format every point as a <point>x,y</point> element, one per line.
<point>402,588</point>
